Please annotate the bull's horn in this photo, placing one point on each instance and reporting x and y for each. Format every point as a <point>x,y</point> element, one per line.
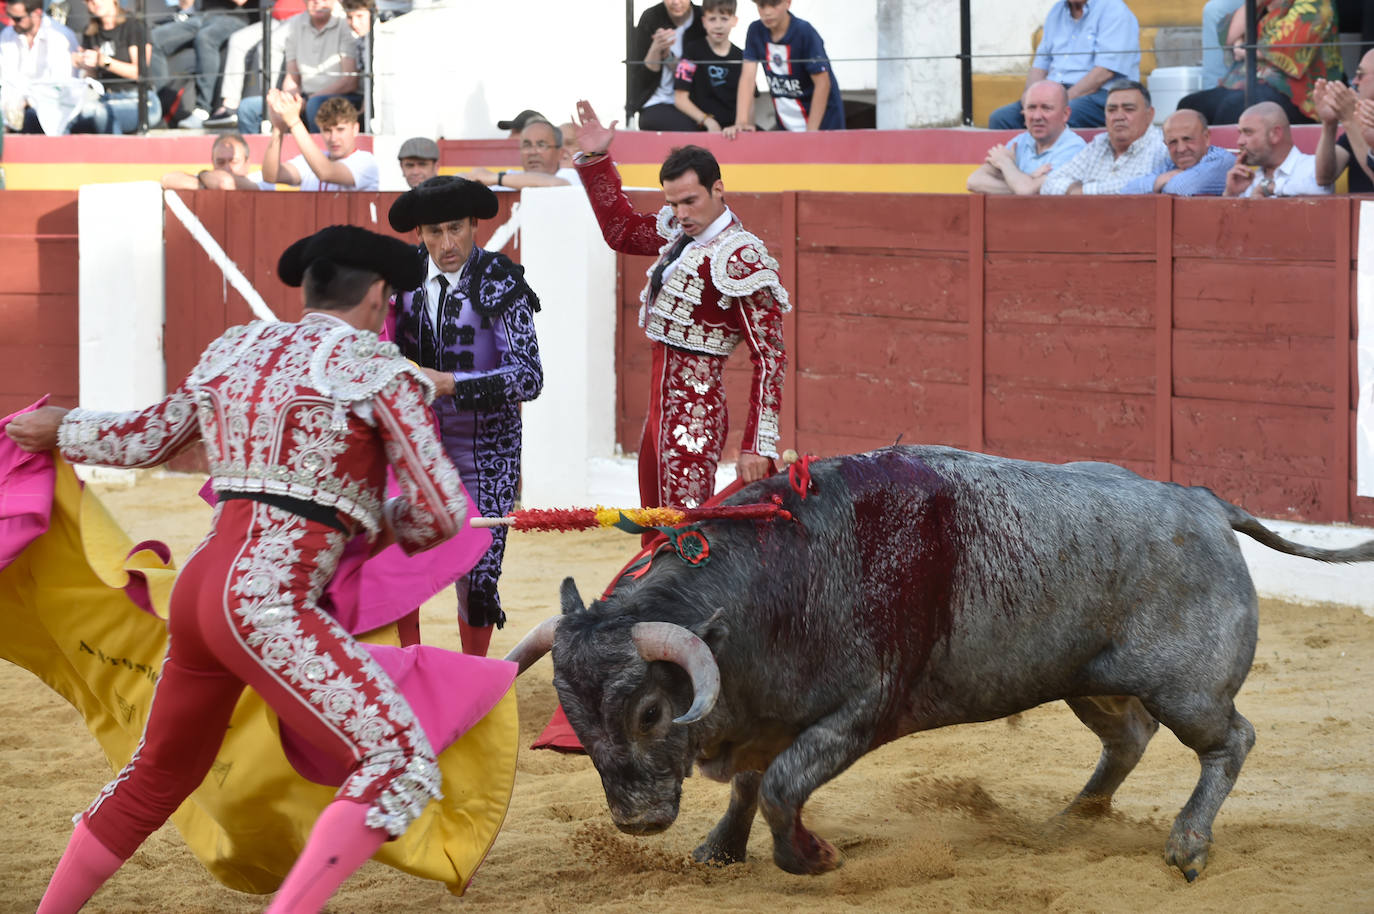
<point>534,645</point>
<point>675,644</point>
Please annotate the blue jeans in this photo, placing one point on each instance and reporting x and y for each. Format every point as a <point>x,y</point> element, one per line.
<point>1084,111</point>
<point>115,112</point>
<point>207,34</point>
<point>250,111</point>
<point>1216,61</point>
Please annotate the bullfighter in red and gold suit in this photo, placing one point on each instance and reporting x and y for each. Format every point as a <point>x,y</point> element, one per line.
<point>714,286</point>
<point>299,422</point>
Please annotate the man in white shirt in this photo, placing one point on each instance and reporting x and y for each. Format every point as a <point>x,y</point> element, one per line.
<point>541,152</point>
<point>1269,164</point>
<point>341,165</point>
<point>35,57</point>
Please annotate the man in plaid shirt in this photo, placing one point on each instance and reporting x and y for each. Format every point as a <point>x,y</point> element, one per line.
<point>1132,146</point>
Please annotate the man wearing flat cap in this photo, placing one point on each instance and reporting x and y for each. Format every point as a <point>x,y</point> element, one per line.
<point>470,326</point>
<point>419,160</point>
<point>299,421</point>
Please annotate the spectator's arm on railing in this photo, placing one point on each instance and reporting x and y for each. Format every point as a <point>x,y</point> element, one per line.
<point>987,180</point>
<point>820,95</point>
<point>744,98</point>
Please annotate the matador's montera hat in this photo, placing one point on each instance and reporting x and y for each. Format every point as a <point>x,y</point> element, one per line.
<point>442,198</point>
<point>350,246</point>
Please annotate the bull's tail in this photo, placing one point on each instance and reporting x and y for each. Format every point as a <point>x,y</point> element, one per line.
<point>1243,522</point>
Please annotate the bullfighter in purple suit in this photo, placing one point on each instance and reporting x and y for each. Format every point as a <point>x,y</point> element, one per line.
<point>470,326</point>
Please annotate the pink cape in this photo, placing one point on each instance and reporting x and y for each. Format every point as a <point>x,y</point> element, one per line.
<point>449,692</point>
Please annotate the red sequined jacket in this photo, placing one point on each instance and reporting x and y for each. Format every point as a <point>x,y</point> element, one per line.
<point>312,411</point>
<point>722,293</point>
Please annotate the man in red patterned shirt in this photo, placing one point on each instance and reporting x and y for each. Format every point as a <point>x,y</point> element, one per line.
<point>714,286</point>
<point>299,422</point>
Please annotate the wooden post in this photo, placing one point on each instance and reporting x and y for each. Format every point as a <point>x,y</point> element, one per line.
<point>977,245</point>
<point>1341,504</point>
<point>1164,338</point>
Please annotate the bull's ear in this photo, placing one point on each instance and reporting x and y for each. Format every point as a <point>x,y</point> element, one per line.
<point>570,599</point>
<point>714,630</point>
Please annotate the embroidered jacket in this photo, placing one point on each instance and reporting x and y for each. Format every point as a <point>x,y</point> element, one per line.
<point>313,411</point>
<point>721,293</point>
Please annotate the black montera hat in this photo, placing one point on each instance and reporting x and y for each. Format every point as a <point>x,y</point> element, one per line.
<point>350,246</point>
<point>442,198</point>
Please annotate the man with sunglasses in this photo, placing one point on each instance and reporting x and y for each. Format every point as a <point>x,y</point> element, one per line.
<point>541,151</point>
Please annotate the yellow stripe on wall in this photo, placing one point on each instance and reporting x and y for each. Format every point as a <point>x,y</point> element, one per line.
<point>889,178</point>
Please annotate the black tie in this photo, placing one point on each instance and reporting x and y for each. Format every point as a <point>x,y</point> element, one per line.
<point>656,281</point>
<point>430,334</point>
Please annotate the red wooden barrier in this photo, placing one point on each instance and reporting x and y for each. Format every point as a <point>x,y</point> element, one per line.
<point>1208,342</point>
<point>38,298</point>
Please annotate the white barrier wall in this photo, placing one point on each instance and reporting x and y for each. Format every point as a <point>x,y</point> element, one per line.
<point>121,278</point>
<point>572,270</point>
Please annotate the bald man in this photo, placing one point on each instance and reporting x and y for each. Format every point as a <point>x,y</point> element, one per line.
<point>1269,164</point>
<point>1020,166</point>
<point>1196,168</point>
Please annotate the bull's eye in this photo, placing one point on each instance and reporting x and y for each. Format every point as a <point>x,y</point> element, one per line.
<point>648,718</point>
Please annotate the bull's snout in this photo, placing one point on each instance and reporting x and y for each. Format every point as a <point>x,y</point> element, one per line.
<point>642,827</point>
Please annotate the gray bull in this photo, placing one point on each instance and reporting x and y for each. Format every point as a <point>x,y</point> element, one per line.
<point>917,587</point>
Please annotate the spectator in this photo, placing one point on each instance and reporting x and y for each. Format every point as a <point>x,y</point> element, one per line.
<point>1270,165</point>
<point>805,94</point>
<point>342,167</point>
<point>1338,104</point>
<point>1130,147</point>
<point>116,51</point>
<point>206,26</point>
<point>243,51</point>
<point>1086,47</point>
<point>361,14</point>
<point>1196,168</point>
<point>662,32</point>
<point>1020,166</point>
<point>1216,51</point>
<point>517,123</point>
<point>318,60</point>
<point>1297,46</point>
<point>228,171</point>
<point>419,158</point>
<point>35,63</point>
<point>706,83</point>
<point>541,152</point>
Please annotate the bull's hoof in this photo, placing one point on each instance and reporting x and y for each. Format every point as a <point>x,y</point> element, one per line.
<point>715,855</point>
<point>1187,852</point>
<point>821,857</point>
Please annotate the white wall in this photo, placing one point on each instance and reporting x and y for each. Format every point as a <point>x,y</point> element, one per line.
<point>572,422</point>
<point>120,288</point>
<point>452,70</point>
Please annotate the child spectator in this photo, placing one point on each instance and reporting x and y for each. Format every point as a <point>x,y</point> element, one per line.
<point>707,80</point>
<point>361,14</point>
<point>805,94</point>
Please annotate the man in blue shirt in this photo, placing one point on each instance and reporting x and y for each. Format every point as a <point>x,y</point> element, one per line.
<point>1087,44</point>
<point>1020,166</point>
<point>1196,167</point>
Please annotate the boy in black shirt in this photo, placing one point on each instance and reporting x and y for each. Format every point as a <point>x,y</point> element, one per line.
<point>707,77</point>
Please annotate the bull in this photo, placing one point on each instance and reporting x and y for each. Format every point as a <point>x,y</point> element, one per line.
<point>917,587</point>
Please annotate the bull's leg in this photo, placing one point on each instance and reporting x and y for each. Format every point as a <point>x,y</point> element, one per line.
<point>821,752</point>
<point>1125,728</point>
<point>729,840</point>
<point>1221,741</point>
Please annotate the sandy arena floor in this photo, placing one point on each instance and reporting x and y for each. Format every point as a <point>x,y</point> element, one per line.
<point>952,820</point>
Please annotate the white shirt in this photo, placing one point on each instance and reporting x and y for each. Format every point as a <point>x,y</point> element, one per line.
<point>1296,176</point>
<point>663,95</point>
<point>706,237</point>
<point>433,291</point>
<point>362,163</point>
<point>49,60</point>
